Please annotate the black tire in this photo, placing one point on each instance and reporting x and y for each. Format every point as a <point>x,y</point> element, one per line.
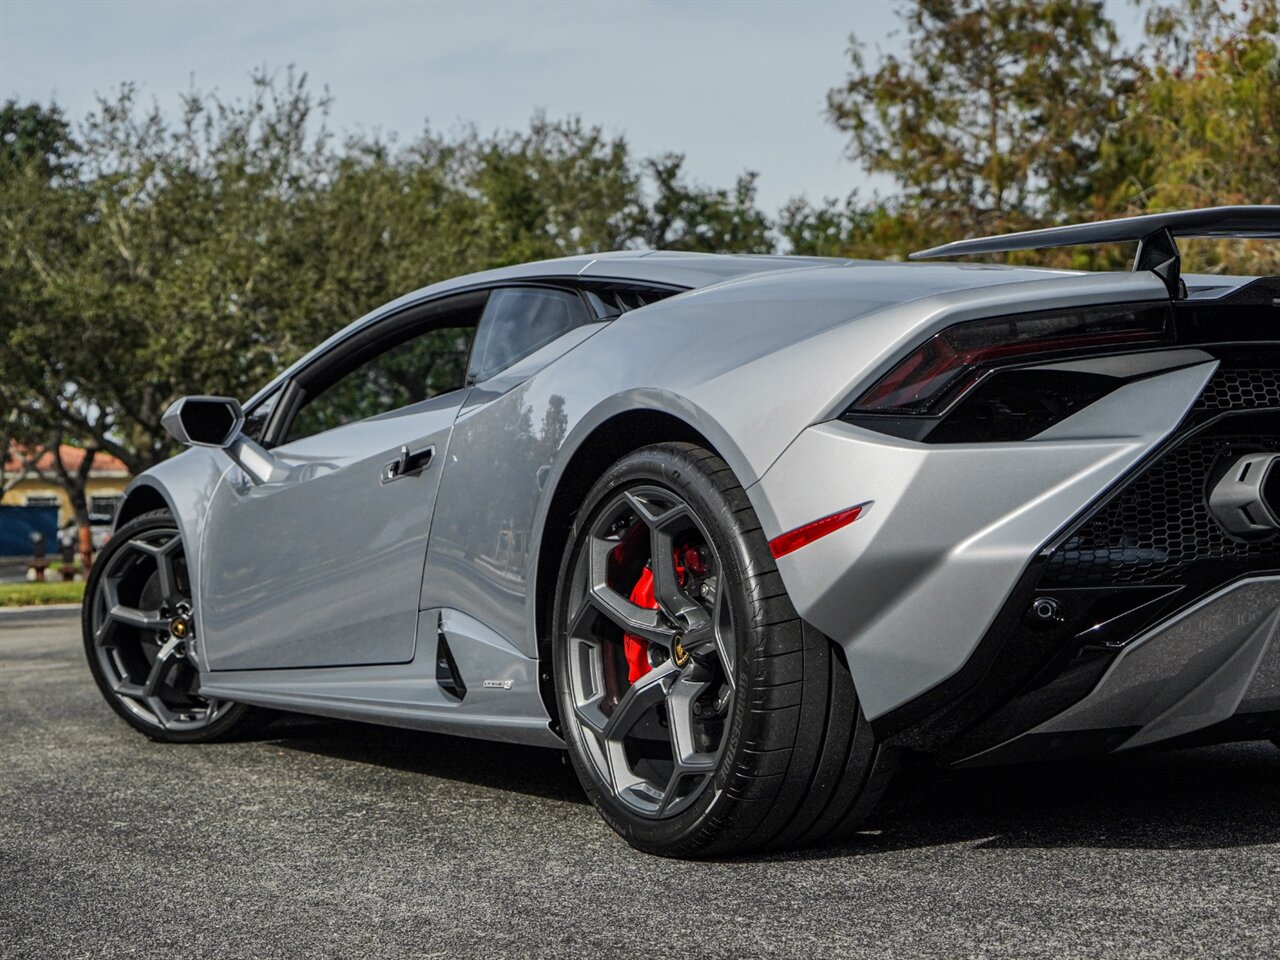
<point>124,649</point>
<point>798,764</point>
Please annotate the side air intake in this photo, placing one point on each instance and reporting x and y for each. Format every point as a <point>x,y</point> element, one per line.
<point>447,675</point>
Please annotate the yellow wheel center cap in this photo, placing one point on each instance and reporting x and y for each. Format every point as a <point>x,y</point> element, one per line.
<point>178,628</point>
<point>678,653</point>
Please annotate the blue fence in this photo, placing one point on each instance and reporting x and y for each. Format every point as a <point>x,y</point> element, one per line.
<point>18,523</point>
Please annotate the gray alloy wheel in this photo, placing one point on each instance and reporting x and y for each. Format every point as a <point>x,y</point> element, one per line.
<point>654,731</point>
<point>702,716</point>
<point>140,636</point>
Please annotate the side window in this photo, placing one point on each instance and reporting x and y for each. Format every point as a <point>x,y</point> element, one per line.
<point>426,364</point>
<point>519,320</point>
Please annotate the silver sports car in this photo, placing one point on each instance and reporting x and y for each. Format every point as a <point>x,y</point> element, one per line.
<point>736,532</point>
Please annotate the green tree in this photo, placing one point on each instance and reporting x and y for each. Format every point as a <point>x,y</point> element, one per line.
<point>686,216</point>
<point>34,137</point>
<point>38,196</point>
<point>161,266</point>
<point>1203,128</point>
<point>558,189</point>
<point>1009,114</point>
<point>997,111</point>
<point>150,257</point>
<point>873,230</point>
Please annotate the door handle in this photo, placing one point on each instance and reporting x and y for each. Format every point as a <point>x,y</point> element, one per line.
<point>408,464</point>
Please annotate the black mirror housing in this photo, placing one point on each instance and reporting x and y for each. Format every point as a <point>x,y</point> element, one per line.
<point>204,421</point>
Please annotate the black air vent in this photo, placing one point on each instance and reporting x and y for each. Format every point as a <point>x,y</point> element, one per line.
<point>1241,389</point>
<point>1160,525</point>
<point>611,299</point>
<point>447,675</point>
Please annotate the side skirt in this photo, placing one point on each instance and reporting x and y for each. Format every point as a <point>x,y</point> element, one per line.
<point>464,679</point>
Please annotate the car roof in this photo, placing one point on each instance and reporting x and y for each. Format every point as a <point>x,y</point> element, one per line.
<point>689,270</point>
<point>892,280</point>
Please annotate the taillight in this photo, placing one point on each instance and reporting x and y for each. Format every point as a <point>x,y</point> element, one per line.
<point>921,390</point>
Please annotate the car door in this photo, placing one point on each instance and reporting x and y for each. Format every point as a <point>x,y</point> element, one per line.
<point>324,567</point>
<point>481,541</point>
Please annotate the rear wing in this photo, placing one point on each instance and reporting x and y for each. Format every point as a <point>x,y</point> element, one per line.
<point>1154,234</point>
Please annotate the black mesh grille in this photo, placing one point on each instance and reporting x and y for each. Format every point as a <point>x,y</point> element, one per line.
<point>1241,390</point>
<point>1160,524</point>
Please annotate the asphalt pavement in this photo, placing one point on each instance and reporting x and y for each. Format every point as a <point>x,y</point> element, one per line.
<point>327,839</point>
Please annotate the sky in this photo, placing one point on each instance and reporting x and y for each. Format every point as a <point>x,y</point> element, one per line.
<point>733,85</point>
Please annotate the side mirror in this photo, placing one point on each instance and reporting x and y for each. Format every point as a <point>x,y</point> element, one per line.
<point>217,422</point>
<point>204,421</point>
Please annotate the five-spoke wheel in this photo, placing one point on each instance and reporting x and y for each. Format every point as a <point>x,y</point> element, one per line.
<point>701,714</point>
<point>140,634</point>
<point>651,650</point>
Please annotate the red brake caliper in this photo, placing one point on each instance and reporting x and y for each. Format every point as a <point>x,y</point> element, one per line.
<point>636,648</point>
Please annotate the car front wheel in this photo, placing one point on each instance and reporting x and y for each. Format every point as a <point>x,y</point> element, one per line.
<point>139,627</point>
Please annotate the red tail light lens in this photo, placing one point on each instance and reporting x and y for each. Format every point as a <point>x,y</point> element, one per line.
<point>946,366</point>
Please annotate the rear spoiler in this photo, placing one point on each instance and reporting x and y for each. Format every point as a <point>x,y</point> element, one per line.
<point>1154,234</point>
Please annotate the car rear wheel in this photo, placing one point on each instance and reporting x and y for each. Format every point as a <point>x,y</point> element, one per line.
<point>702,716</point>
<point>139,629</point>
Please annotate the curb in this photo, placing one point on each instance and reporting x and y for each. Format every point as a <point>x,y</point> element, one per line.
<point>38,611</point>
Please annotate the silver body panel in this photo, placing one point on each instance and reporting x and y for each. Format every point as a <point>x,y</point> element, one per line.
<point>911,587</point>
<point>760,358</point>
<point>326,583</point>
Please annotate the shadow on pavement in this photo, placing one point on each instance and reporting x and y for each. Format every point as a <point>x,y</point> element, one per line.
<point>1207,798</point>
<point>502,766</point>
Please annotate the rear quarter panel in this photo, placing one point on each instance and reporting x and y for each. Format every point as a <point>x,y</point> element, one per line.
<point>749,364</point>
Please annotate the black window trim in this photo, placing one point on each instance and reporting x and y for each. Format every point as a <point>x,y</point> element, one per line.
<point>293,388</point>
<point>364,345</point>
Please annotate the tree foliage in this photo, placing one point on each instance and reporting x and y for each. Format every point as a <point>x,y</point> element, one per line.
<point>148,258</point>
<point>1010,114</point>
<point>997,107</point>
<point>1204,129</point>
<point>146,254</point>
